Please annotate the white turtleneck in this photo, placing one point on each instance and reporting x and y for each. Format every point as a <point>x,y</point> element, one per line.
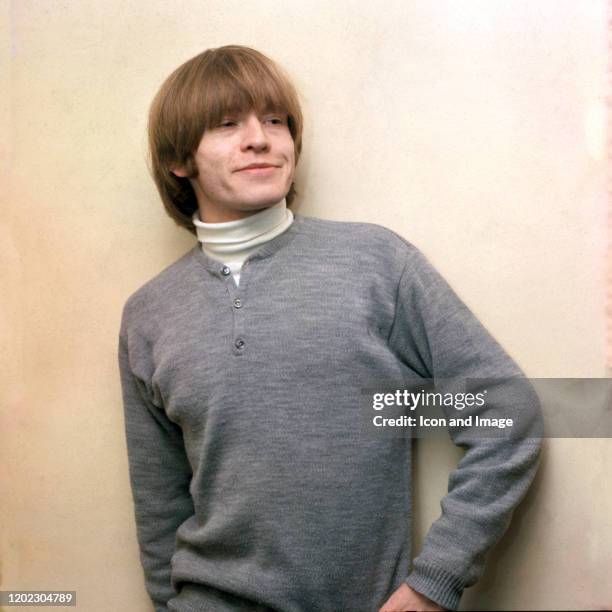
<point>232,242</point>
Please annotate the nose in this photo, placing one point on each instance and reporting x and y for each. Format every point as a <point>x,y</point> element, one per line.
<point>255,137</point>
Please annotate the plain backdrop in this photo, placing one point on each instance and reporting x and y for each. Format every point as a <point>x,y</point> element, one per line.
<point>474,129</point>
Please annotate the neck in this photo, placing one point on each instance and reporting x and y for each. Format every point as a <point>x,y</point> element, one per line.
<point>235,240</point>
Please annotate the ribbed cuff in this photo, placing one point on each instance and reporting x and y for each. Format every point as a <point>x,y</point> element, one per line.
<point>436,584</point>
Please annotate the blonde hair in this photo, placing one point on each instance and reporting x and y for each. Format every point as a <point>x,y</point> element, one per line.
<point>194,98</point>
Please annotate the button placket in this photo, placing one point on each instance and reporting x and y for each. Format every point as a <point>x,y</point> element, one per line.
<point>236,296</point>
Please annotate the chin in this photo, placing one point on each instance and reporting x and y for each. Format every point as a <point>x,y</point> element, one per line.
<point>263,202</point>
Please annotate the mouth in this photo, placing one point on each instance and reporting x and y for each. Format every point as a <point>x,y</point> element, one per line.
<point>259,169</point>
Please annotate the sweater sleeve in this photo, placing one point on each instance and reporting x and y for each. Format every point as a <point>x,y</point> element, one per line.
<point>438,336</point>
<point>159,476</point>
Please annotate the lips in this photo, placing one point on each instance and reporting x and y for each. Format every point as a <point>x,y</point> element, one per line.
<point>258,168</point>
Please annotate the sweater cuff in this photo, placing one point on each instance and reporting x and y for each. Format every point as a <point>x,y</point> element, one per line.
<point>436,584</point>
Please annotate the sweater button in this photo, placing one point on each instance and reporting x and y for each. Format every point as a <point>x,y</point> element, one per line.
<point>239,343</point>
<point>237,303</point>
<point>225,271</point>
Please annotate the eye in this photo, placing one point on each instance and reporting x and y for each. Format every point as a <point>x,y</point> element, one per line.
<point>227,123</point>
<point>276,120</point>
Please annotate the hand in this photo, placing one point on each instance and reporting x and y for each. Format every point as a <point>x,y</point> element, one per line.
<point>406,599</point>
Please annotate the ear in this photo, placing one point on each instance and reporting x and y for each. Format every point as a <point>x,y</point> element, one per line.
<point>179,171</point>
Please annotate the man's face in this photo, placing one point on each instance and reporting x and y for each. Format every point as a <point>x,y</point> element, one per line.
<point>227,186</point>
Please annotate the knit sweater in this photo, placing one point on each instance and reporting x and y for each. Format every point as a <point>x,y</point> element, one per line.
<point>253,489</point>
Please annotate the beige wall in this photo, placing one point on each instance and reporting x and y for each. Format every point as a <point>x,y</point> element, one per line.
<point>474,129</point>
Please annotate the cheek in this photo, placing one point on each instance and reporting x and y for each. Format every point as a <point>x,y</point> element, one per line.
<point>287,147</point>
<point>292,169</point>
<point>290,155</point>
<point>212,171</point>
<point>212,158</point>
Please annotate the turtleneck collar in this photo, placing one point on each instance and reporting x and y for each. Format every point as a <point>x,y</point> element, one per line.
<point>235,240</point>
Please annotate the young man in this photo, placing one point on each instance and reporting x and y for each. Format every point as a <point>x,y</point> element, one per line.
<point>241,368</point>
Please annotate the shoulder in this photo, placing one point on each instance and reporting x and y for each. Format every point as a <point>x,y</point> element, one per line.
<point>366,243</point>
<point>157,294</point>
<point>370,251</point>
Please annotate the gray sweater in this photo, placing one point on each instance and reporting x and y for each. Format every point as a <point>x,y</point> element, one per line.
<point>253,489</point>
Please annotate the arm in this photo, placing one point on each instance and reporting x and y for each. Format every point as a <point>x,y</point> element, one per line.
<point>437,335</point>
<point>159,477</point>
